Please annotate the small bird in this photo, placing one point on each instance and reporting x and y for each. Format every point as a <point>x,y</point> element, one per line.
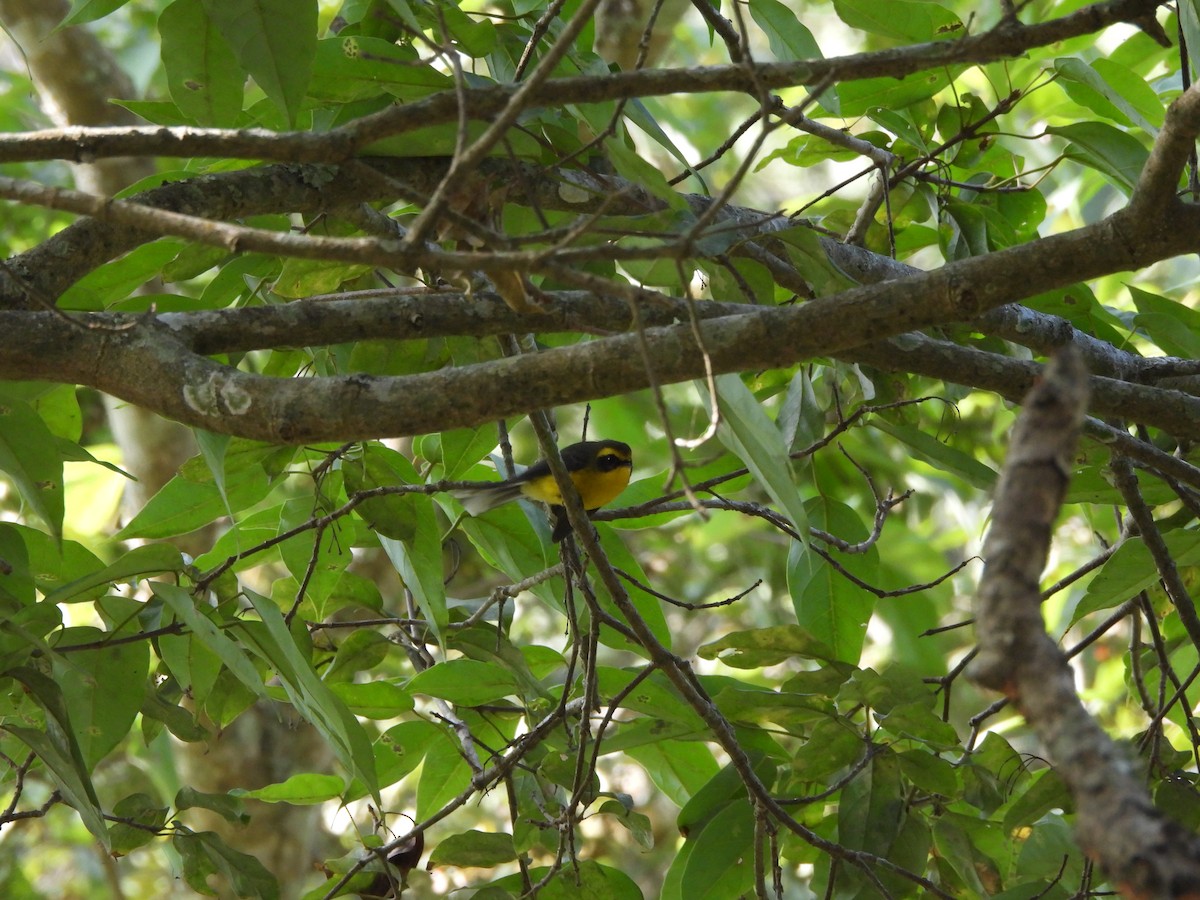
<point>599,469</point>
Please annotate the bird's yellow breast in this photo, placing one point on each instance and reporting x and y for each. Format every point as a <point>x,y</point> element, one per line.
<point>596,488</point>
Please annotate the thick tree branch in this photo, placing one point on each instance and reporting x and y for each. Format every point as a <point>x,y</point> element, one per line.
<point>148,365</point>
<point>400,315</point>
<point>1173,411</point>
<point>1158,184</point>
<point>56,263</point>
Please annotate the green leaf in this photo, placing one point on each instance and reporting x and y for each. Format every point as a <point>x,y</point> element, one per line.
<point>316,702</point>
<point>955,846</point>
<point>560,766</point>
<point>1080,306</point>
<point>392,515</point>
<point>831,607</point>
<point>195,666</point>
<point>69,774</point>
<point>916,721</point>
<point>808,255</point>
<point>1189,19</point>
<point>148,559</point>
<point>143,810</point>
<point>160,707</point>
<point>1022,211</point>
<point>830,746</point>
<point>310,277</point>
<point>56,404</point>
<point>1050,853</point>
<point>963,231</point>
<point>17,586</point>
<point>672,886</point>
<point>29,457</point>
<point>356,67</point>
<point>1176,798</point>
<point>275,41</point>
<point>57,748</point>
<point>53,562</point>
<point>992,773</point>
<point>587,879</point>
<point>654,696</point>
<point>637,824</point>
<point>475,37</point>
<point>787,35</point>
<point>901,20</point>
<point>84,11</point>
<point>233,656</point>
<point>632,166</point>
<point>644,730</point>
<point>1045,791</point>
<point>303,789</point>
<point>1107,149</point>
<point>419,559</point>
<point>204,854</point>
<point>229,808</point>
<point>374,699</point>
<point>101,716</point>
<point>116,280</point>
<point>649,607</point>
<point>322,556</point>
<point>474,848</point>
<point>939,455</point>
<point>1131,570</point>
<point>753,438</point>
<point>1111,90</point>
<point>193,500</point>
<point>72,452</point>
<point>402,748</point>
<point>1172,325</point>
<point>856,97</point>
<point>213,448</point>
<point>203,75</point>
<point>194,259</point>
<point>240,278</point>
<point>902,125</point>
<point>484,644</point>
<point>930,772</point>
<point>721,865</point>
<point>872,807</point>
<point>465,682</point>
<point>678,768</point>
<point>719,792</point>
<point>638,113</point>
<point>757,648</point>
<point>461,448</point>
<point>743,703</point>
<point>507,542</point>
<point>444,775</point>
<point>362,649</point>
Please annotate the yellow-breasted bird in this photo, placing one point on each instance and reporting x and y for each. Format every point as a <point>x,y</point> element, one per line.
<point>599,469</point>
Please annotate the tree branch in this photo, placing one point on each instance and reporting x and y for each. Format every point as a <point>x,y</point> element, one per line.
<point>1007,39</point>
<point>1146,854</point>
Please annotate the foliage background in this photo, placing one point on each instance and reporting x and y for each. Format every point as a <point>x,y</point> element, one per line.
<point>294,633</point>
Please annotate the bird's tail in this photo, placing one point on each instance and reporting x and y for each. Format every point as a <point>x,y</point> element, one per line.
<point>476,500</point>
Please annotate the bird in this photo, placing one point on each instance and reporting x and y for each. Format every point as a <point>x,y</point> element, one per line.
<point>600,470</point>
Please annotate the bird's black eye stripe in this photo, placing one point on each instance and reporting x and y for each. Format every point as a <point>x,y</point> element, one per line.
<point>606,462</point>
